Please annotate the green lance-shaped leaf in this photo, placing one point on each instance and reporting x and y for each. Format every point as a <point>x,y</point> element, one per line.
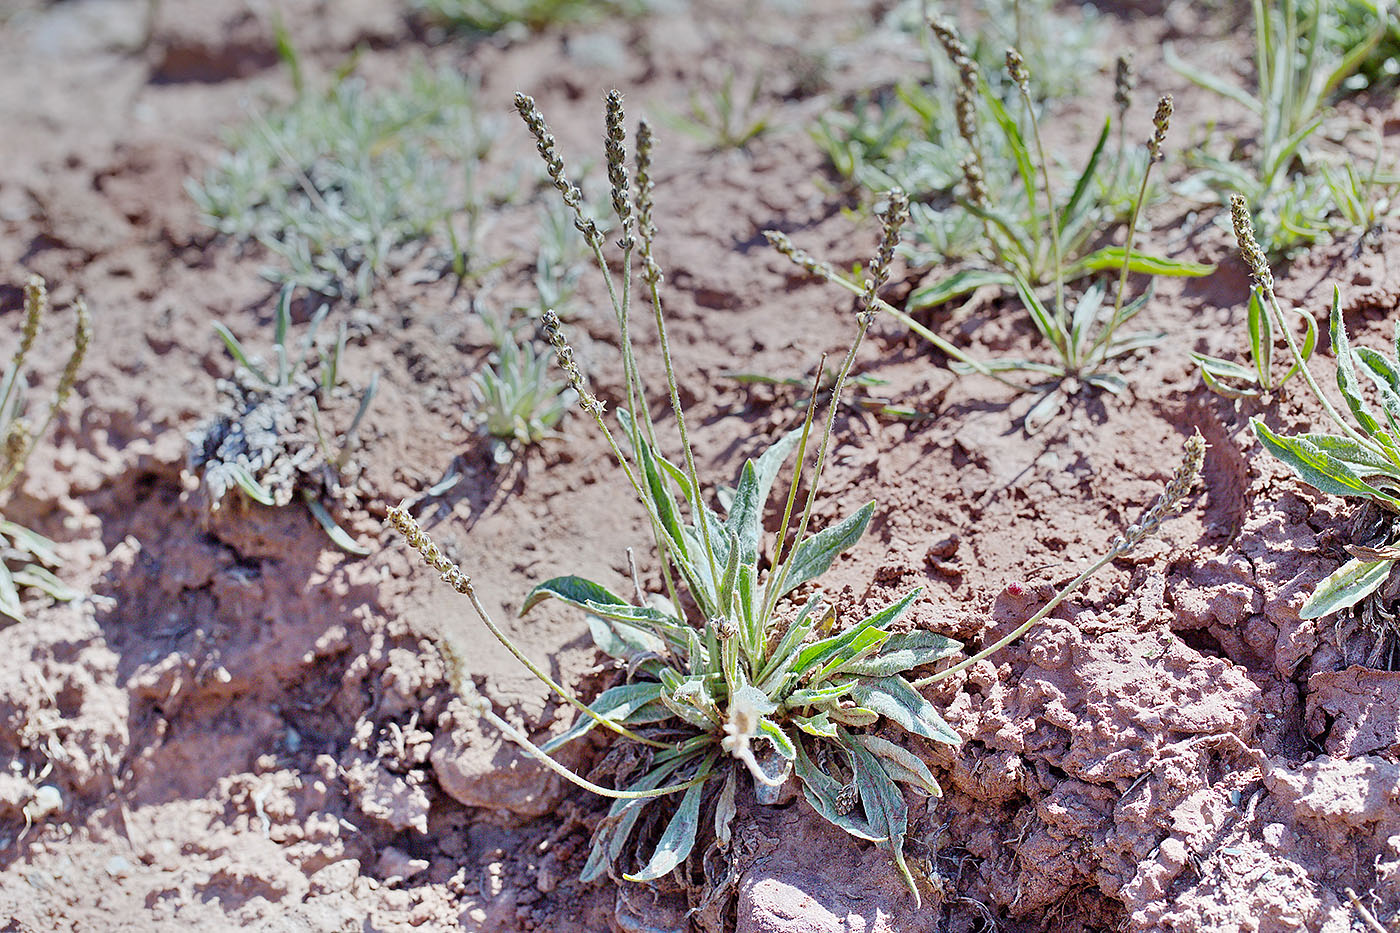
<point>885,807</point>
<point>899,763</point>
<point>31,542</point>
<point>755,483</point>
<point>1363,460</point>
<point>893,698</point>
<point>1346,369</point>
<point>1071,213</point>
<point>903,652</point>
<point>1112,258</point>
<point>9,595</point>
<point>678,839</point>
<point>1318,468</point>
<point>1217,374</point>
<point>821,791</point>
<point>813,557</point>
<point>962,282</point>
<point>45,581</point>
<point>1347,586</point>
<point>617,826</point>
<point>1261,338</point>
<point>627,704</point>
<point>621,640</point>
<point>820,652</point>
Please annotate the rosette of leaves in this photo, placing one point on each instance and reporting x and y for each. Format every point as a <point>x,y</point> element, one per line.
<point>778,693</point>
<point>27,558</point>
<point>266,441</point>
<point>1359,459</point>
<point>1236,380</point>
<point>519,403</point>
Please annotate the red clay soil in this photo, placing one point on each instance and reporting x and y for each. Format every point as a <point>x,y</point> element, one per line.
<point>250,729</point>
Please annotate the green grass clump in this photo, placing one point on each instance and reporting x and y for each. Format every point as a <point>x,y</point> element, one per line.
<point>28,559</point>
<point>733,681</point>
<point>341,184</point>
<point>268,440</point>
<point>1306,53</point>
<point>1358,459</point>
<point>727,117</point>
<point>519,403</point>
<point>492,16</point>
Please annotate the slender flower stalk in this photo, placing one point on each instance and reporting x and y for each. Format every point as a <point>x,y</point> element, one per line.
<point>1016,68</point>
<point>1161,122</point>
<point>783,244</point>
<point>1263,278</point>
<point>1166,505</point>
<point>892,220</point>
<point>416,538</point>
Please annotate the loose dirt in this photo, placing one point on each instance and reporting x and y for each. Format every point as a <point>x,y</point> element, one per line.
<point>250,729</point>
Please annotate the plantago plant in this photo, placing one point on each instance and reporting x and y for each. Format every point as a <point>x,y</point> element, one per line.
<point>1234,380</point>
<point>731,682</point>
<point>1305,52</point>
<point>267,440</point>
<point>1359,458</point>
<point>1036,240</point>
<point>31,553</point>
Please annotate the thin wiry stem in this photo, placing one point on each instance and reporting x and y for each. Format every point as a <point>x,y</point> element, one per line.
<point>770,600</point>
<point>1017,68</point>
<point>419,540</point>
<point>1154,155</point>
<point>1166,504</point>
<point>697,502</point>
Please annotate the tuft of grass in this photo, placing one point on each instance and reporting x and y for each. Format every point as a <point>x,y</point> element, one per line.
<point>518,401</point>
<point>28,559</point>
<point>1306,53</point>
<point>266,442</point>
<point>726,117</point>
<point>487,17</point>
<point>1358,458</point>
<point>343,184</point>
<point>732,678</point>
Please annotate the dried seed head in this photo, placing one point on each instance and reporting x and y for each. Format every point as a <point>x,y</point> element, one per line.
<point>1016,68</point>
<point>36,305</point>
<point>782,244</point>
<point>1161,121</point>
<point>554,167</point>
<point>1249,246</point>
<point>891,223</point>
<point>976,182</point>
<point>1124,80</point>
<point>564,355</point>
<point>16,445</point>
<point>847,798</point>
<point>646,224</point>
<point>82,339</point>
<point>614,122</point>
<point>968,79</point>
<point>418,539</point>
<point>725,628</point>
<point>956,49</point>
<point>1169,501</point>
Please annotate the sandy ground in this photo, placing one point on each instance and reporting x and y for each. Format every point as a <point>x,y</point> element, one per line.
<point>250,729</point>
